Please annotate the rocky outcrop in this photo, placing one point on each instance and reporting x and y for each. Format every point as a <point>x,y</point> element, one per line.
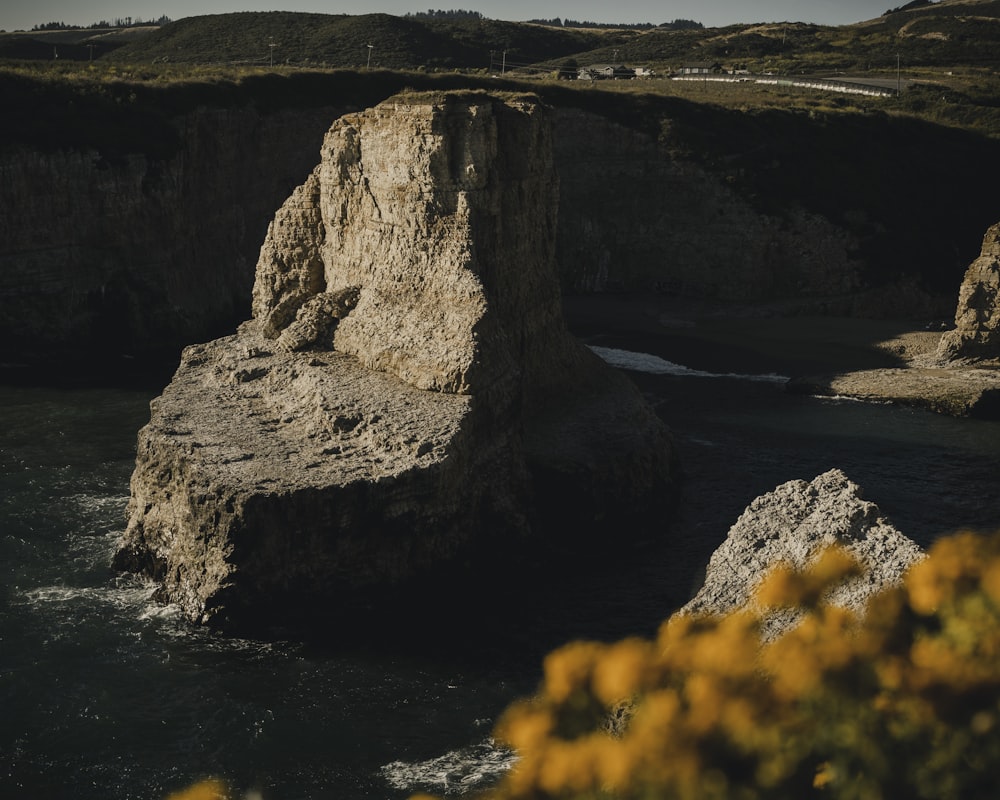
<point>960,376</point>
<point>792,525</point>
<point>976,336</point>
<point>406,394</point>
<point>968,392</point>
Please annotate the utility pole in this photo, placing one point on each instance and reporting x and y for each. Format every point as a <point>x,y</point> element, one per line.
<point>370,47</point>
<point>503,67</point>
<point>897,73</point>
<point>272,45</point>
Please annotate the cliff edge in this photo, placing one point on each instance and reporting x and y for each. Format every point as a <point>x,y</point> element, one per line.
<point>406,394</point>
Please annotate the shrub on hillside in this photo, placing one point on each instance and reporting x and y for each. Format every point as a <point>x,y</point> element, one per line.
<point>900,704</point>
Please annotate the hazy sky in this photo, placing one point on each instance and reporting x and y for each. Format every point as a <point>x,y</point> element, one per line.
<point>24,14</point>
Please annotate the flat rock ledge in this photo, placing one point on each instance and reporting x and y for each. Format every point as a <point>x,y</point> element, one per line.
<point>792,525</point>
<point>954,390</point>
<point>406,405</point>
<point>961,375</point>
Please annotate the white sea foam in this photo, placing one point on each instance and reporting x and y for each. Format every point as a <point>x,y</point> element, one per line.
<point>458,771</point>
<point>122,595</point>
<point>646,362</point>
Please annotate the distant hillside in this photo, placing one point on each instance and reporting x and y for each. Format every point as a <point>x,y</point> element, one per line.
<point>949,33</point>
<point>72,44</point>
<point>342,41</point>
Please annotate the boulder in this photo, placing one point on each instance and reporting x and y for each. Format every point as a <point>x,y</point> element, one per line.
<point>976,336</point>
<point>406,395</point>
<point>792,525</point>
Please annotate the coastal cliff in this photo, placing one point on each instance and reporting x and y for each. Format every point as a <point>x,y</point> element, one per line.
<point>105,255</point>
<point>107,249</point>
<point>406,395</point>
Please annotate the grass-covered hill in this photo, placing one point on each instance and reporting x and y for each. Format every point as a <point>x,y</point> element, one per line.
<point>921,34</point>
<point>342,41</point>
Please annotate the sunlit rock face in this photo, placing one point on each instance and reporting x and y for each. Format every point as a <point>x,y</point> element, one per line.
<point>406,395</point>
<point>792,525</point>
<point>976,336</point>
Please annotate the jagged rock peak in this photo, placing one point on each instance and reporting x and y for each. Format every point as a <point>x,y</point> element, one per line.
<point>976,336</point>
<point>792,525</point>
<point>406,395</point>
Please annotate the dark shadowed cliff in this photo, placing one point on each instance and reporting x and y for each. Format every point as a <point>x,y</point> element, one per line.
<point>133,213</point>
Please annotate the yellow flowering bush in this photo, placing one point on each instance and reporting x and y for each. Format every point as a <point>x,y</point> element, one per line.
<point>902,703</point>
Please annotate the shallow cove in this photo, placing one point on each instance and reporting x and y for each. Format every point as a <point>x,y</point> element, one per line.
<point>107,694</point>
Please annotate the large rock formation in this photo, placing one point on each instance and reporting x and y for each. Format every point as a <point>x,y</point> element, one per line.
<point>976,336</point>
<point>406,393</point>
<point>792,525</point>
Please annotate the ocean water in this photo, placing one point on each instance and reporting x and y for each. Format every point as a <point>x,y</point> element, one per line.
<point>105,694</point>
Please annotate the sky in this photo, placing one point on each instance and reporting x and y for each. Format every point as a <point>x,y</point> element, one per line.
<point>25,14</point>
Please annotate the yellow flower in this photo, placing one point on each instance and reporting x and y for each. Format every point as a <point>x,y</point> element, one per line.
<point>568,669</point>
<point>622,669</point>
<point>203,790</point>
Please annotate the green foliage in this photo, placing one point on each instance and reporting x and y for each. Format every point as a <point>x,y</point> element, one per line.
<point>903,703</point>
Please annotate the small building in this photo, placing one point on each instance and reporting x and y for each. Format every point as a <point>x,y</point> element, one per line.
<point>699,68</point>
<point>606,72</point>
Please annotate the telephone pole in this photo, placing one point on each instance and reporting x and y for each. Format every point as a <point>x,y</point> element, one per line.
<point>370,47</point>
<point>271,46</point>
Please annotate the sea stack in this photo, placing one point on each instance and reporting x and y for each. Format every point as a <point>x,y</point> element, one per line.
<point>406,395</point>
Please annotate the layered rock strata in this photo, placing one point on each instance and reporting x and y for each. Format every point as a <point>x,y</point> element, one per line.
<point>406,394</point>
<point>792,525</point>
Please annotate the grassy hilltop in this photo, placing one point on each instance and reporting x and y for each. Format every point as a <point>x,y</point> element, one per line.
<point>921,34</point>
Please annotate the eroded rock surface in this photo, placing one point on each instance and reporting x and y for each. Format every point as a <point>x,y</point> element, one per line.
<point>792,525</point>
<point>406,394</point>
<point>976,335</point>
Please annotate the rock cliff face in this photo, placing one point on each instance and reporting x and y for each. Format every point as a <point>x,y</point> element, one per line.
<point>636,218</point>
<point>406,393</point>
<point>103,257</point>
<point>976,336</point>
<point>792,525</point>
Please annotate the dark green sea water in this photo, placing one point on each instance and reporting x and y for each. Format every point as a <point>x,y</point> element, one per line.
<point>104,694</point>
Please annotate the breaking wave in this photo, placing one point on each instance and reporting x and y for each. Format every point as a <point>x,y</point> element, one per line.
<point>646,362</point>
<point>458,771</point>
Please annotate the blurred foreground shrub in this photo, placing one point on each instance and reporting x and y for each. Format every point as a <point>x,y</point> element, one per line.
<point>900,704</point>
